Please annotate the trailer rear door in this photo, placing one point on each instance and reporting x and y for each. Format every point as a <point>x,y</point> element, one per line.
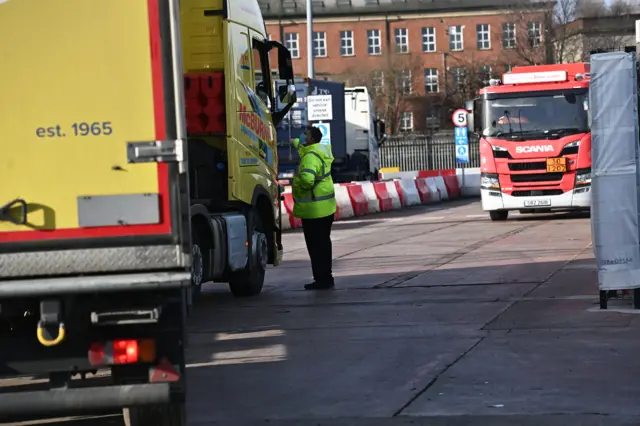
<point>81,79</point>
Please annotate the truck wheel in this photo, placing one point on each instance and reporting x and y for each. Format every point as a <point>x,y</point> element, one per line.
<point>249,281</point>
<point>197,267</point>
<point>499,215</point>
<point>173,414</point>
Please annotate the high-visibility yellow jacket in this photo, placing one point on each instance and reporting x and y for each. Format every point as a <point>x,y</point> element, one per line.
<point>312,186</point>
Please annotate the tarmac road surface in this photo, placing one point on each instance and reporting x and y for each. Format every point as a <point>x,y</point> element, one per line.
<point>440,316</point>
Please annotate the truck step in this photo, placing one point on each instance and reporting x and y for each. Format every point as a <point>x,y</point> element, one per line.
<point>138,316</point>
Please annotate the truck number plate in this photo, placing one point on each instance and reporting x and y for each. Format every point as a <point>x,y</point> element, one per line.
<point>556,165</point>
<point>537,203</point>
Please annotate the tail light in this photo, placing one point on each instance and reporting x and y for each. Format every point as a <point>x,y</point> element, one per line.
<point>121,352</point>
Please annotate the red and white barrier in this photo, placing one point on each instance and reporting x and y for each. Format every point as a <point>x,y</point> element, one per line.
<point>433,189</point>
<point>442,188</point>
<point>384,198</point>
<point>452,184</point>
<point>396,198</point>
<point>288,204</point>
<point>407,189</point>
<point>358,199</point>
<point>344,208</point>
<point>424,191</point>
<point>373,205</point>
<point>286,222</point>
<point>408,192</point>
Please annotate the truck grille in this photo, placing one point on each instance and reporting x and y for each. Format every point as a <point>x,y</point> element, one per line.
<point>537,177</point>
<point>521,167</point>
<point>537,193</point>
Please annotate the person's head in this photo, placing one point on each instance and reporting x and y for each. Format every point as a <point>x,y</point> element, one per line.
<point>313,135</point>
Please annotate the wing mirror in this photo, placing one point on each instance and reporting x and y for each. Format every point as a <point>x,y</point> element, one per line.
<point>287,94</point>
<point>472,114</point>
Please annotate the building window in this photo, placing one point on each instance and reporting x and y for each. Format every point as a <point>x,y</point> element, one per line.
<point>535,33</point>
<point>406,121</point>
<point>459,76</point>
<point>291,42</point>
<point>374,42</point>
<point>377,82</point>
<point>508,35</point>
<point>483,32</point>
<point>404,82</point>
<point>346,43</point>
<point>431,80</point>
<point>402,40</point>
<point>456,40</point>
<point>320,44</point>
<point>428,39</point>
<point>485,74</point>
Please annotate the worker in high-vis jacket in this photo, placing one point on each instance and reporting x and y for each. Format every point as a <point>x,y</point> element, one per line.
<point>315,203</point>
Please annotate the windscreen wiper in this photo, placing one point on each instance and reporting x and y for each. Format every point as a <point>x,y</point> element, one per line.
<point>18,203</point>
<point>514,136</point>
<point>565,131</point>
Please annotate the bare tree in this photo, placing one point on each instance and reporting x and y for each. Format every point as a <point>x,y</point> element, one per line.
<point>539,31</point>
<point>394,85</point>
<point>466,74</point>
<point>590,8</point>
<point>620,7</point>
<point>524,37</point>
<point>598,8</point>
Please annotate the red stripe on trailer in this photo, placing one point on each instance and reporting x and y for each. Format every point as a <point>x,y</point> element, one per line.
<point>164,227</point>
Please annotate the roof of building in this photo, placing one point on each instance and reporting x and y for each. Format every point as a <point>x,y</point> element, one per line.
<point>624,24</point>
<point>274,9</point>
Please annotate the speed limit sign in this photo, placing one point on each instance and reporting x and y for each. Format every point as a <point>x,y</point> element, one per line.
<point>460,118</point>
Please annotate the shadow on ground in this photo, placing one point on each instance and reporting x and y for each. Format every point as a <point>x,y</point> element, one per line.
<point>419,337</point>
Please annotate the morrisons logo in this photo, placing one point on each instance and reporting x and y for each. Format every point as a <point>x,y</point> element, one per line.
<point>538,148</point>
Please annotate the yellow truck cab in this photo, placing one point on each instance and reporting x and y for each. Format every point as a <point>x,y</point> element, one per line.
<point>230,120</point>
<point>138,161</point>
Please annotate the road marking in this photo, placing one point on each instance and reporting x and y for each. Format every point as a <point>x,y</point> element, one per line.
<point>372,220</point>
<point>434,218</point>
<point>476,215</point>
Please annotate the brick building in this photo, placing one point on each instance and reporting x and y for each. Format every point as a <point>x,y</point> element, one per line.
<point>401,48</point>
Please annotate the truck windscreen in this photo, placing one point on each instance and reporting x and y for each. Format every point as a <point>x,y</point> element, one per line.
<point>542,115</point>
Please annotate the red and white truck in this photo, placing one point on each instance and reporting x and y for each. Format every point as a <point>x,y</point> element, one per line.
<point>535,140</point>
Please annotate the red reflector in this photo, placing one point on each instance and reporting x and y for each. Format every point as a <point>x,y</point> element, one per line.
<point>96,354</point>
<point>125,351</point>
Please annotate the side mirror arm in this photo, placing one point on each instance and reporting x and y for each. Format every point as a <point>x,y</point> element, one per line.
<point>278,116</point>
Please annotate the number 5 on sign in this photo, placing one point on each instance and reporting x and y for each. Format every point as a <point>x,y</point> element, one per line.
<point>460,118</point>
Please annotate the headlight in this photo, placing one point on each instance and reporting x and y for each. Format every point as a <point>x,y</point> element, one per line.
<point>573,144</point>
<point>498,148</point>
<point>489,181</point>
<point>583,179</point>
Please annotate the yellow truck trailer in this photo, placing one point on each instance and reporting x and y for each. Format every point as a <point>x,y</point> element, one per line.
<point>138,161</point>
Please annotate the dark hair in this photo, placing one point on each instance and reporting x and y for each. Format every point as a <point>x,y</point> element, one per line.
<point>316,134</point>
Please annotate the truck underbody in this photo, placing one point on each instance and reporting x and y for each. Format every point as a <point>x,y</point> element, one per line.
<point>67,344</point>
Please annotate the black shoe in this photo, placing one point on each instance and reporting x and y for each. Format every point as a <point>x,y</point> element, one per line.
<point>320,285</point>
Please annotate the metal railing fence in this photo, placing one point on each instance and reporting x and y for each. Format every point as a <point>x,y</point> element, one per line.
<point>422,152</point>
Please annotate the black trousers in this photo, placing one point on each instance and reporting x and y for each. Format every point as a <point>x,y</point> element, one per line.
<point>317,236</point>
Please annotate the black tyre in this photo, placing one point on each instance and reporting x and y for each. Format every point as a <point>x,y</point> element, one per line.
<point>499,215</point>
<point>250,280</point>
<point>173,414</point>
<point>198,265</point>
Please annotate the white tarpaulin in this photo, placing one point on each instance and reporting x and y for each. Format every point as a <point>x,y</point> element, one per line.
<point>613,101</point>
